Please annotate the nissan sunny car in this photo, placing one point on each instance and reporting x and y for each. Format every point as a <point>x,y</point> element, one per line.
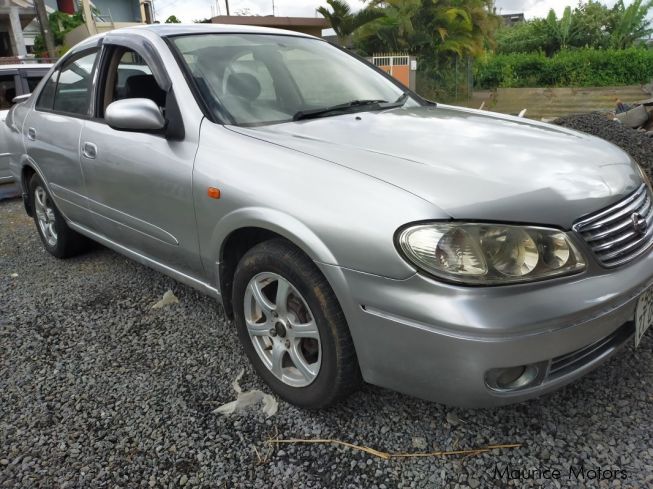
<point>352,230</point>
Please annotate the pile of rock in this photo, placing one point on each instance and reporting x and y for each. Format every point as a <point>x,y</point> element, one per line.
<point>635,142</point>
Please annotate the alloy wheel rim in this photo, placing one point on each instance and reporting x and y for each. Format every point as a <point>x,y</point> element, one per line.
<point>45,216</point>
<point>282,329</point>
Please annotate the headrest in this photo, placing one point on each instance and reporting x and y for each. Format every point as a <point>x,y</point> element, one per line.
<point>144,86</point>
<point>244,85</point>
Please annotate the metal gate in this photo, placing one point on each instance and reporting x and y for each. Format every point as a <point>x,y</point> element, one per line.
<point>396,64</point>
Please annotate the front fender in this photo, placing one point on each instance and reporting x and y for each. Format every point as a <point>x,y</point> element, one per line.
<point>272,220</point>
<point>336,215</point>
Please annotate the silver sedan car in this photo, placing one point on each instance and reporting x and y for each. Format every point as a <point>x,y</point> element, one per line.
<point>353,230</point>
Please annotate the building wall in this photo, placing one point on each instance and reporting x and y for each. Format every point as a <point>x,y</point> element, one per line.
<point>120,10</point>
<point>29,34</point>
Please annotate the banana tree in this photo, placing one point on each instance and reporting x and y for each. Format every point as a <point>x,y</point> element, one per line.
<point>632,23</point>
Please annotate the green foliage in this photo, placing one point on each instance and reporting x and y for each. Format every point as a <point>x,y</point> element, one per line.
<point>430,28</point>
<point>173,20</point>
<point>631,23</point>
<point>60,24</point>
<point>345,22</point>
<point>581,68</point>
<point>448,80</point>
<point>593,25</point>
<point>443,34</point>
<point>525,37</point>
<point>590,24</point>
<point>560,29</point>
<point>392,31</point>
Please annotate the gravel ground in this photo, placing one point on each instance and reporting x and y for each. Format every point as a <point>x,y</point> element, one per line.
<point>635,143</point>
<point>99,390</point>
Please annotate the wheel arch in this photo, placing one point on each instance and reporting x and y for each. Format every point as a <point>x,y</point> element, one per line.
<point>27,171</point>
<point>241,230</point>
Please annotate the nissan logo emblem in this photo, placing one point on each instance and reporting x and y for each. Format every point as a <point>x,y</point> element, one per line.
<point>639,223</point>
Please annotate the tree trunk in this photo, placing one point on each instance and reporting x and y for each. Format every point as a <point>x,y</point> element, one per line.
<point>46,31</point>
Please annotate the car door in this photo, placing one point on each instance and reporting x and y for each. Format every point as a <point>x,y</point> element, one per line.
<point>52,129</point>
<point>140,184</point>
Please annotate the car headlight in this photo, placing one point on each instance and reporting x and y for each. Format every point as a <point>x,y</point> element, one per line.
<point>484,254</point>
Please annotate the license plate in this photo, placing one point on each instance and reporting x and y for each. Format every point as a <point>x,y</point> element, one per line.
<point>643,315</point>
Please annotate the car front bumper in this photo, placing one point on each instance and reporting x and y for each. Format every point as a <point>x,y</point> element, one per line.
<point>439,341</point>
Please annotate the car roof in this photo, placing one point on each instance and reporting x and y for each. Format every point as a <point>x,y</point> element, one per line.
<point>165,30</point>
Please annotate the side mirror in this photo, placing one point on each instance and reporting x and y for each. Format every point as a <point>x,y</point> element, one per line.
<point>21,98</point>
<point>134,114</point>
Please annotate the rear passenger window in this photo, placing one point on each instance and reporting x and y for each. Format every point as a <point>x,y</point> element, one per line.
<point>73,91</point>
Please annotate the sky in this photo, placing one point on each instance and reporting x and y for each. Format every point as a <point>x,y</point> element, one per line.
<point>189,10</point>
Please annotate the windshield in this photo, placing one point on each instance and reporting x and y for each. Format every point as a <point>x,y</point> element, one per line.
<point>252,79</point>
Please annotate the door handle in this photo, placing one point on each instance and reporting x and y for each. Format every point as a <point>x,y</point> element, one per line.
<point>89,150</point>
<point>31,134</point>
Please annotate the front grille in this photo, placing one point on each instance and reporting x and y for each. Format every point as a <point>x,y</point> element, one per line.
<point>578,358</point>
<point>611,233</point>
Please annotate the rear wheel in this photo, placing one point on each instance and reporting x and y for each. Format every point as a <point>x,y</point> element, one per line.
<point>292,327</point>
<point>59,240</point>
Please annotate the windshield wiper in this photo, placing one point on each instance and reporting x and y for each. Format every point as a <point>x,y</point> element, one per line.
<point>354,104</point>
<point>401,100</point>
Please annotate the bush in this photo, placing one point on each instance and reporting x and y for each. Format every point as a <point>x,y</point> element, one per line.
<point>578,68</point>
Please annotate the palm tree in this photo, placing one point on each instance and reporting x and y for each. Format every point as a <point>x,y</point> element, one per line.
<point>395,28</point>
<point>485,24</point>
<point>428,27</point>
<point>632,23</point>
<point>344,22</point>
<point>463,27</point>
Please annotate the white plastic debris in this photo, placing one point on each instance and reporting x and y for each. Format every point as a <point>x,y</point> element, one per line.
<point>420,443</point>
<point>248,398</point>
<point>168,298</point>
<point>453,419</point>
<point>14,275</point>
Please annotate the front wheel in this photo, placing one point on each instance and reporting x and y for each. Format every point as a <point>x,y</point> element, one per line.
<point>292,327</point>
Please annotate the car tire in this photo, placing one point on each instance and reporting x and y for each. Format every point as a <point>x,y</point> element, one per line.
<point>59,240</point>
<point>307,330</point>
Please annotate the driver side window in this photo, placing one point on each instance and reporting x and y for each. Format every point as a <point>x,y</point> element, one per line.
<point>129,76</point>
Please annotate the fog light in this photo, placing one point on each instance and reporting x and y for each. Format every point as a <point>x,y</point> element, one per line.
<point>513,378</point>
<point>509,376</point>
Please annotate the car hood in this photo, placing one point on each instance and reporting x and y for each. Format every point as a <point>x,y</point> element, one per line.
<point>472,165</point>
